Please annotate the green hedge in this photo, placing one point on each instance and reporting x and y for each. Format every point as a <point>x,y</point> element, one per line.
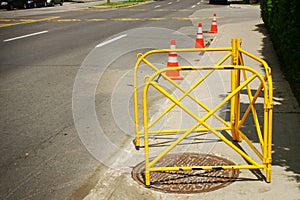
<point>282,20</point>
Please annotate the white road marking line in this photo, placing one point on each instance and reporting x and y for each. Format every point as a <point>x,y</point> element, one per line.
<point>111,40</point>
<point>170,3</point>
<point>193,6</point>
<point>24,36</point>
<point>198,3</point>
<point>157,6</point>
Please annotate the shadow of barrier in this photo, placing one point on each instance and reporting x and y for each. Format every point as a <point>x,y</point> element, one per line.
<point>241,77</point>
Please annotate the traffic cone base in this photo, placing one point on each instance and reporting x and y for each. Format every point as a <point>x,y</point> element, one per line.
<point>173,76</point>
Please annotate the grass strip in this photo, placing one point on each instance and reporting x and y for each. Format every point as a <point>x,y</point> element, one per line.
<point>119,3</point>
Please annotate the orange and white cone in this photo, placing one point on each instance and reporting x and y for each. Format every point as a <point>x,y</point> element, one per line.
<point>199,39</point>
<point>172,62</point>
<point>214,26</point>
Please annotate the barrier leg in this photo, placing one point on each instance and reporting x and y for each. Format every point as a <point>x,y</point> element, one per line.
<point>235,82</point>
<point>269,135</point>
<point>136,120</point>
<point>147,178</point>
<point>268,173</point>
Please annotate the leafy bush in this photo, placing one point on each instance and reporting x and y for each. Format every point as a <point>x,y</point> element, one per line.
<point>280,18</point>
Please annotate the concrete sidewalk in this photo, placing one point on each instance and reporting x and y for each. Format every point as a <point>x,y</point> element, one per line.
<point>118,184</point>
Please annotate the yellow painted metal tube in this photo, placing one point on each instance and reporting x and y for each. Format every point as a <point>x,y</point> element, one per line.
<point>269,169</point>
<point>171,146</point>
<point>220,167</point>
<point>255,74</point>
<point>159,51</point>
<point>187,93</point>
<point>234,147</point>
<point>268,106</point>
<point>251,107</point>
<point>173,131</point>
<point>147,163</point>
<point>147,62</point>
<point>264,63</point>
<point>265,86</point>
<point>142,57</point>
<point>146,139</point>
<point>265,147</point>
<point>173,99</point>
<point>234,92</point>
<point>232,104</point>
<point>258,153</point>
<point>201,121</point>
<point>135,101</point>
<point>222,60</point>
<point>214,110</point>
<point>167,110</point>
<point>236,59</point>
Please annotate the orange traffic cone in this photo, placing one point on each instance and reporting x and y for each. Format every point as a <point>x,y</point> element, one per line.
<point>172,62</point>
<point>199,39</point>
<point>214,26</point>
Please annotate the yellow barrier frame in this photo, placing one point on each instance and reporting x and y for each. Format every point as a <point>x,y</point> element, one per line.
<point>236,121</point>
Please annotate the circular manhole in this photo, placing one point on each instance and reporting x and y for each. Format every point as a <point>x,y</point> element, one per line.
<point>194,181</point>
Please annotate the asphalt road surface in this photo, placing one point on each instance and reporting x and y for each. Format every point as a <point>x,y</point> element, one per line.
<point>42,156</point>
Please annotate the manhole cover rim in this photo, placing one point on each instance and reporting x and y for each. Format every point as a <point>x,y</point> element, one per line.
<point>192,187</point>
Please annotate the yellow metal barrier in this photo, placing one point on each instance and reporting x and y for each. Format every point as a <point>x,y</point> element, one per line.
<point>236,120</point>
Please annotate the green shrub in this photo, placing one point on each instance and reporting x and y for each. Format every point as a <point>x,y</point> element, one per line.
<point>280,18</point>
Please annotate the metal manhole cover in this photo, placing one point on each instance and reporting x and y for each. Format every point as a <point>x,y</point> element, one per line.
<point>195,181</point>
